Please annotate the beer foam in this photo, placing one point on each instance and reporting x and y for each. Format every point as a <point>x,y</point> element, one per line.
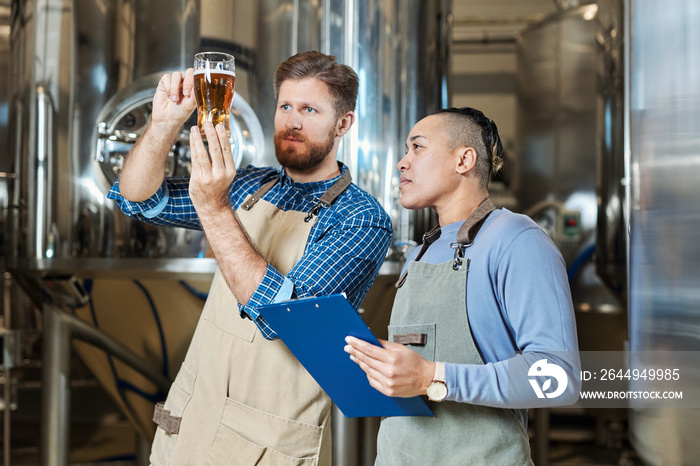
<point>214,71</point>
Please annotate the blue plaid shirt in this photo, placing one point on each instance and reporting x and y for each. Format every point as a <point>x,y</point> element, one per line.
<point>344,252</point>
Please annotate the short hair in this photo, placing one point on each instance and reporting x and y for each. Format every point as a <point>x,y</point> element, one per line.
<point>469,127</point>
<point>341,80</point>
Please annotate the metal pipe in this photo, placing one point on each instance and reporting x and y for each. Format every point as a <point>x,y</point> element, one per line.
<point>55,397</point>
<point>143,451</point>
<point>542,437</point>
<point>627,147</point>
<point>345,439</point>
<point>59,328</point>
<point>83,331</point>
<point>6,415</point>
<point>370,429</point>
<point>7,386</point>
<point>467,21</point>
<point>44,153</point>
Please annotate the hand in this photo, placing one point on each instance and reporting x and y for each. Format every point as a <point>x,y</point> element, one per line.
<point>174,100</point>
<point>212,172</point>
<point>394,370</point>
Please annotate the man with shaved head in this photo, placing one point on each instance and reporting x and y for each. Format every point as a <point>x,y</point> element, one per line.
<point>484,302</point>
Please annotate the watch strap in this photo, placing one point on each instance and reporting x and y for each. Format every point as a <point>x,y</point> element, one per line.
<point>439,372</point>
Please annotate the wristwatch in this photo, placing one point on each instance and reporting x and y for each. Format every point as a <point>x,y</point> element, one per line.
<point>437,390</point>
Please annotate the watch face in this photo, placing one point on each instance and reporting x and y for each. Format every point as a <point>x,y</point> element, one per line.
<point>437,391</point>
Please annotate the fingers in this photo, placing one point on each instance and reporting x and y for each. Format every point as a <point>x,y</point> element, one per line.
<point>188,83</point>
<point>368,364</point>
<point>374,377</point>
<point>175,83</point>
<point>197,152</point>
<point>216,161</point>
<point>177,86</point>
<point>171,103</point>
<point>164,83</point>
<point>393,369</point>
<point>366,354</point>
<point>364,347</point>
<point>220,150</point>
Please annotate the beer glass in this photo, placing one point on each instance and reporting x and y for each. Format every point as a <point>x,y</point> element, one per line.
<point>214,82</point>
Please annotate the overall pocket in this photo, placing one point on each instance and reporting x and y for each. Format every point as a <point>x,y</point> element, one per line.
<point>426,350</point>
<point>178,397</point>
<point>248,436</point>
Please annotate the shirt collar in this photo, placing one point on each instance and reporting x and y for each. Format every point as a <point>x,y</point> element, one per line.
<point>312,188</point>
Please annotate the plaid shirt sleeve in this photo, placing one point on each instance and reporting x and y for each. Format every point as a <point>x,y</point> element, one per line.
<point>169,206</point>
<point>346,259</point>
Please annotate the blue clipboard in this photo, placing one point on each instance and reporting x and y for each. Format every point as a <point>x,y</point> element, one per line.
<point>314,329</point>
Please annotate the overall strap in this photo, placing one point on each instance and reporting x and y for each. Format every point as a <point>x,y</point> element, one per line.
<point>465,236</point>
<point>337,189</point>
<point>467,232</point>
<point>330,195</point>
<point>428,239</point>
<point>327,198</point>
<point>257,195</point>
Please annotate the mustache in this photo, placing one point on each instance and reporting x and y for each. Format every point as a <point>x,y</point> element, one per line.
<point>290,133</point>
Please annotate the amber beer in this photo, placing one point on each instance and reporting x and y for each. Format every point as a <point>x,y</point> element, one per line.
<point>214,92</point>
<point>214,83</point>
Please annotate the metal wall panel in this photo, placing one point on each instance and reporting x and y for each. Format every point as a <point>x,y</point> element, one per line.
<point>664,166</point>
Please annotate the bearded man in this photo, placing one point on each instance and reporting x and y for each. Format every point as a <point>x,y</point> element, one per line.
<point>301,230</point>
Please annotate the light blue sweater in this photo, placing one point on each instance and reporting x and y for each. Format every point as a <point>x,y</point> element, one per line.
<point>520,311</point>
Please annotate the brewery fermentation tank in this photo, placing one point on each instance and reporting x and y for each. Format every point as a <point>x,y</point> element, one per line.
<point>664,143</point>
<point>84,74</point>
<point>569,172</point>
<point>569,175</point>
<point>400,51</point>
<point>82,78</point>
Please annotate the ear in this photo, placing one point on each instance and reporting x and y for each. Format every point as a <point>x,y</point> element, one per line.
<point>344,124</point>
<point>466,159</point>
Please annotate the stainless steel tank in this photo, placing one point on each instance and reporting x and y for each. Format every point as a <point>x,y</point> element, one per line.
<point>569,172</point>
<point>662,163</point>
<point>83,76</point>
<point>400,51</point>
<point>569,175</point>
<point>81,79</point>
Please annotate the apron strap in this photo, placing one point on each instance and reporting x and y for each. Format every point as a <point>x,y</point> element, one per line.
<point>337,189</point>
<point>257,195</point>
<point>330,195</point>
<point>326,199</point>
<point>465,236</point>
<point>469,229</point>
<point>428,239</point>
<point>467,232</point>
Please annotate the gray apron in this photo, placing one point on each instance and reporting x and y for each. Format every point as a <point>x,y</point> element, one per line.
<point>238,398</point>
<point>431,300</point>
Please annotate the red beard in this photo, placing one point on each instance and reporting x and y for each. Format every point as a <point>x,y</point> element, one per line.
<point>306,155</point>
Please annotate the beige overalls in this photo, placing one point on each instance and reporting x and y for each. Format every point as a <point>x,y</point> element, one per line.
<point>240,399</point>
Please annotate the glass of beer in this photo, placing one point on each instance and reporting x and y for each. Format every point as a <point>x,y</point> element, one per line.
<point>214,82</point>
